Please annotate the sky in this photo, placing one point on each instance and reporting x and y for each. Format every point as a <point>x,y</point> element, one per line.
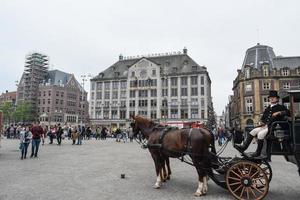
<point>86,37</point>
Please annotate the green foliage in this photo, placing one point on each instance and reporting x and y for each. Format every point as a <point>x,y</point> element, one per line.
<point>23,112</point>
<point>7,109</point>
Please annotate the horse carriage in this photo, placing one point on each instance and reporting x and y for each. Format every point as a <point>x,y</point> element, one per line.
<point>244,177</point>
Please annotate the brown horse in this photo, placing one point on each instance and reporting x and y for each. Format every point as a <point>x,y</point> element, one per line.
<point>176,143</point>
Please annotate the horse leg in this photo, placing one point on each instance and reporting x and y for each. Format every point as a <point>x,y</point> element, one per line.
<point>168,168</point>
<point>202,178</point>
<point>158,167</point>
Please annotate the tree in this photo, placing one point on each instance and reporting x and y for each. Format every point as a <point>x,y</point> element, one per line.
<point>7,110</point>
<point>22,112</point>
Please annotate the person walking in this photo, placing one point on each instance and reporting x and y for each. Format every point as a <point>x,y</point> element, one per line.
<point>25,138</point>
<point>74,134</point>
<point>59,133</point>
<point>37,133</point>
<point>81,133</point>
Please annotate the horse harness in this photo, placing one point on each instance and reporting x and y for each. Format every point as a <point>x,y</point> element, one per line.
<point>164,132</point>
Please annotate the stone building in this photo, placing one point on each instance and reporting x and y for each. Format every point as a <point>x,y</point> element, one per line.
<point>170,88</point>
<point>55,96</point>
<point>261,71</point>
<point>62,99</point>
<point>8,96</point>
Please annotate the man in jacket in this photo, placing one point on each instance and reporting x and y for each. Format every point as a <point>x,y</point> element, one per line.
<point>274,112</point>
<point>37,132</point>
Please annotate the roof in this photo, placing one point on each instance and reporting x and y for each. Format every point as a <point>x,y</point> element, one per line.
<point>291,62</point>
<point>57,77</point>
<point>183,62</point>
<point>259,54</point>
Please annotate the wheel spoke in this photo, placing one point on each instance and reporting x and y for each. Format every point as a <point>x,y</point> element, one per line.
<point>237,188</point>
<point>236,174</point>
<point>252,192</point>
<point>255,174</point>
<point>257,189</point>
<point>236,183</point>
<point>247,193</point>
<point>234,178</point>
<point>250,170</point>
<point>242,192</point>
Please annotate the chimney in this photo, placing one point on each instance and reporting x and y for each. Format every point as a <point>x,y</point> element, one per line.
<point>120,57</point>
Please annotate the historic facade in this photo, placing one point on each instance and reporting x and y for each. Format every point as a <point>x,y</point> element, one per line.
<point>55,96</point>
<point>261,71</point>
<point>170,88</point>
<point>8,96</point>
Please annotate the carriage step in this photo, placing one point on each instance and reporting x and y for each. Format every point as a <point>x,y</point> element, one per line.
<point>154,146</point>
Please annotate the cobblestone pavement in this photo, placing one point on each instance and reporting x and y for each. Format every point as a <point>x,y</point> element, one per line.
<point>92,171</point>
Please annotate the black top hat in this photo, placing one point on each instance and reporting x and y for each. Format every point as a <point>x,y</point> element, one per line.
<point>273,93</point>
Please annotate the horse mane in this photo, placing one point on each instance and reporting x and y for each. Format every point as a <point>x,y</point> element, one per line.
<point>146,122</point>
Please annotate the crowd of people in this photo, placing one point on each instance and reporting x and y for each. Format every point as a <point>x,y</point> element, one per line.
<point>36,133</point>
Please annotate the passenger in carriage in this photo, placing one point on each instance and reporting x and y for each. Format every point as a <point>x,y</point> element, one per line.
<point>274,112</point>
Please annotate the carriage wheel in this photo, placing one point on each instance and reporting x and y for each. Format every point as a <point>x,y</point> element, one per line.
<point>266,167</point>
<point>246,180</point>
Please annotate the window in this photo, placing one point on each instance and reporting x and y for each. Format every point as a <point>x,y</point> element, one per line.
<point>132,103</point>
<point>174,102</point>
<point>114,114</point>
<point>153,72</point>
<point>194,101</point>
<point>123,84</point>
<point>194,80</point>
<point>107,85</point>
<point>164,82</point>
<point>49,101</point>
<point>266,85</point>
<point>194,91</point>
<point>248,87</point>
<point>183,92</point>
<point>132,93</point>
<point>93,85</point>
<point>133,83</point>
<point>286,85</point>
<point>131,113</point>
<point>174,92</point>
<point>175,69</point>
<point>164,92</point>
<point>174,113</point>
<point>49,93</point>
<point>202,80</point>
<point>123,95</point>
<point>153,93</point>
<point>105,114</point>
<point>165,103</point>
<point>132,74</point>
<point>265,71</point>
<point>92,95</point>
<point>153,103</point>
<point>57,93</point>
<point>174,81</point>
<point>247,73</point>
<point>143,113</point>
<point>114,103</point>
<point>143,103</point>
<point>143,93</point>
<point>107,95</point>
<point>183,80</point>
<point>99,86</point>
<point>194,113</point>
<point>184,114</point>
<point>265,101</point>
<point>202,114</point>
<point>122,114</point>
<point>106,104</point>
<point>115,85</point>
<point>115,95</point>
<point>202,90</point>
<point>285,72</point>
<point>249,104</point>
<point>184,102</point>
<point>153,114</point>
<point>99,95</point>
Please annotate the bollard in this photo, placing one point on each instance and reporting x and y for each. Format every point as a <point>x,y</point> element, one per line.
<point>122,175</point>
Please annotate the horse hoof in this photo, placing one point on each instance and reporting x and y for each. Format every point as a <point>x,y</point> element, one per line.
<point>156,186</point>
<point>197,194</point>
<point>168,178</point>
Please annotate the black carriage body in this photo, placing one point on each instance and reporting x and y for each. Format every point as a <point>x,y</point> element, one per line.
<point>284,136</point>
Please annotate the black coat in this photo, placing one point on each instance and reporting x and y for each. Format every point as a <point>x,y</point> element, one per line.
<point>267,115</point>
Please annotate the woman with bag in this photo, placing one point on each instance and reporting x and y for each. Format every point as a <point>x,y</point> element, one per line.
<point>25,138</point>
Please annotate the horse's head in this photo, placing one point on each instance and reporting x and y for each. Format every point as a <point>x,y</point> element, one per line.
<point>141,125</point>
